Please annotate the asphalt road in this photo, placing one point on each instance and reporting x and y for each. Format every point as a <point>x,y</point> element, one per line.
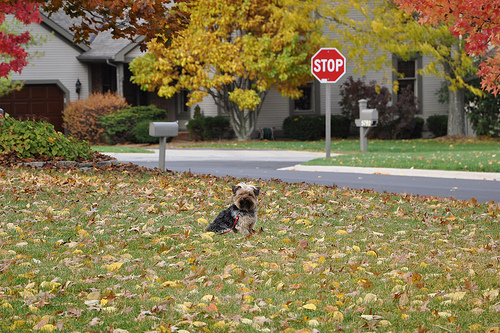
<point>285,165</point>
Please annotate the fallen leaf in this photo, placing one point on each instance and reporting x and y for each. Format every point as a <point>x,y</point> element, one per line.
<point>114,266</point>
<point>309,306</point>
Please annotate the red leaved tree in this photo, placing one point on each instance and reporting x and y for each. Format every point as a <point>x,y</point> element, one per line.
<point>124,18</point>
<point>13,56</point>
<point>477,22</point>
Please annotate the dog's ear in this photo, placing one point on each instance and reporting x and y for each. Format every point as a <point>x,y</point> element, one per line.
<point>236,188</point>
<point>256,190</point>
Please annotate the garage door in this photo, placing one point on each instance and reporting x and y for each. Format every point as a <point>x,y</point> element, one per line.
<point>36,101</point>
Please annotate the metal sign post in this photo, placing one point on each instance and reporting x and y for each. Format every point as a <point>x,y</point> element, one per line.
<point>328,65</point>
<point>328,116</point>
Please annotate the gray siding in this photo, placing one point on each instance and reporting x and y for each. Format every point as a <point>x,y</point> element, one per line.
<point>57,62</point>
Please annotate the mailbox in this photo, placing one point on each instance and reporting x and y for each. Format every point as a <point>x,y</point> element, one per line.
<point>367,118</point>
<point>163,129</point>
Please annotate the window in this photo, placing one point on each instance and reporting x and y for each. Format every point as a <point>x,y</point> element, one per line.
<point>184,96</point>
<point>407,74</point>
<point>305,104</point>
<point>408,77</point>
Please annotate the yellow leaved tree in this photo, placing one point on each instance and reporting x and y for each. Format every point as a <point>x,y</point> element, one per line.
<point>371,30</point>
<point>234,51</point>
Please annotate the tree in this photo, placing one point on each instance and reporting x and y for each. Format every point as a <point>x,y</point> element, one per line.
<point>234,51</point>
<point>369,30</point>
<point>477,22</point>
<point>124,18</point>
<point>151,19</point>
<point>13,56</point>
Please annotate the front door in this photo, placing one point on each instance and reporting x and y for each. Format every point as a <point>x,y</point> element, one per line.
<point>182,110</point>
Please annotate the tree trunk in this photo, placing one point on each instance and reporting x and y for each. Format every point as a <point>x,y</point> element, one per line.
<point>456,112</point>
<point>456,105</point>
<point>243,122</point>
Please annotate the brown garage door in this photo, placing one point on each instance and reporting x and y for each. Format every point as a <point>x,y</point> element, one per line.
<point>36,101</point>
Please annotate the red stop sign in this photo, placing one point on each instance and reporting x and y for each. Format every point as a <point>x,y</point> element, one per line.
<point>328,65</point>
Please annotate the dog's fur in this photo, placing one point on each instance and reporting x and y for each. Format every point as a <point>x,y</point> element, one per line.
<point>244,208</point>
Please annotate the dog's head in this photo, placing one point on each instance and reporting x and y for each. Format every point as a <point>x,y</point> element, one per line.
<point>245,196</point>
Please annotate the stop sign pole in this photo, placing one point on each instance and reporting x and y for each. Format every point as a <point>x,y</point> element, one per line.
<point>328,65</point>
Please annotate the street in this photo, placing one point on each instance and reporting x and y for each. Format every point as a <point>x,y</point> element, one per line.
<point>277,164</point>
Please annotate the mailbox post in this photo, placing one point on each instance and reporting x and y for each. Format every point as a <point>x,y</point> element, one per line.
<point>163,130</point>
<point>368,118</point>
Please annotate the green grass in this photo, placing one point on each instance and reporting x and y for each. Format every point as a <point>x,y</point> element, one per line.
<point>120,149</point>
<point>436,154</point>
<point>478,161</point>
<point>125,250</point>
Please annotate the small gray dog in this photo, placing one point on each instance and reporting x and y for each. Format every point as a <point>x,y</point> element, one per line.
<point>241,216</point>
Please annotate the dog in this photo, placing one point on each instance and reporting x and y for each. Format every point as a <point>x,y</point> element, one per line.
<point>241,216</point>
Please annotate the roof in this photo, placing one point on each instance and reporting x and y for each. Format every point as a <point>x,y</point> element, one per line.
<point>101,47</point>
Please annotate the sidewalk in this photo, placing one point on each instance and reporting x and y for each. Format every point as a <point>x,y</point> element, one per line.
<point>195,154</point>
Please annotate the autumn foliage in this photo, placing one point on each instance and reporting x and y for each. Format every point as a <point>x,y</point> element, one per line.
<point>137,20</point>
<point>234,52</point>
<point>13,56</point>
<point>146,19</point>
<point>81,117</point>
<point>477,22</point>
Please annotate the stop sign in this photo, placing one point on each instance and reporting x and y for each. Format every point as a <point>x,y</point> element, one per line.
<point>328,65</point>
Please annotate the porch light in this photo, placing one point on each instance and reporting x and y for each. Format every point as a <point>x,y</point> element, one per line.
<point>78,86</point>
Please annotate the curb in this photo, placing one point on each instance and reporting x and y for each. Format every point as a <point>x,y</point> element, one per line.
<point>490,176</point>
<point>69,164</point>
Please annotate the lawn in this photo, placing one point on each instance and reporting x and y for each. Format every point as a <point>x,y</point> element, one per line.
<point>124,250</point>
<point>121,149</point>
<point>435,154</point>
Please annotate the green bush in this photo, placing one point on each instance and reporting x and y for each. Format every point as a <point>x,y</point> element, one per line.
<point>419,126</point>
<point>215,127</point>
<point>483,112</point>
<point>202,128</point>
<point>39,140</point>
<point>340,126</point>
<point>141,132</point>
<point>438,125</point>
<point>308,128</point>
<point>195,128</point>
<point>304,128</point>
<point>120,126</point>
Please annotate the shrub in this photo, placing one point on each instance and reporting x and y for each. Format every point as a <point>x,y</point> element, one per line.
<point>141,132</point>
<point>419,127</point>
<point>483,112</point>
<point>304,128</point>
<point>206,128</point>
<point>120,126</point>
<point>340,126</point>
<point>81,117</point>
<point>308,128</point>
<point>398,121</point>
<point>215,127</point>
<point>195,128</point>
<point>395,121</point>
<point>352,91</point>
<point>438,125</point>
<point>30,139</point>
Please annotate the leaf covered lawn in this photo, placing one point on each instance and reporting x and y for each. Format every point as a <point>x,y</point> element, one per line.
<point>125,250</point>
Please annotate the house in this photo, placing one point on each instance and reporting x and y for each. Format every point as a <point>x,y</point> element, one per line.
<point>68,72</point>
